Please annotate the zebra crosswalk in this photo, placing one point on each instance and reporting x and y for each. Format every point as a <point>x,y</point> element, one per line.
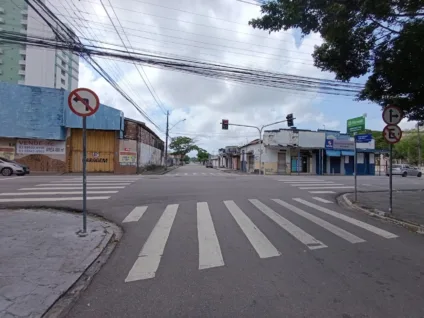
<point>210,252</point>
<point>203,174</point>
<point>70,189</point>
<point>315,185</point>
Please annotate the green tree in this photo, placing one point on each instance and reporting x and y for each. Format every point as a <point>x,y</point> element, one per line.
<point>202,155</point>
<point>407,148</point>
<point>181,146</point>
<point>383,38</point>
<point>186,159</point>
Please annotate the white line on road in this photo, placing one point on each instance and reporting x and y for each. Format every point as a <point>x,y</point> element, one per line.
<point>135,214</point>
<point>204,173</point>
<point>316,185</point>
<point>321,192</point>
<point>326,225</point>
<point>310,181</point>
<point>186,174</point>
<point>51,199</point>
<point>211,173</point>
<point>94,181</point>
<point>10,178</point>
<point>322,200</point>
<point>311,242</point>
<point>69,188</point>
<point>259,241</point>
<point>325,187</point>
<point>56,193</point>
<point>299,180</point>
<point>195,173</point>
<point>150,255</point>
<point>88,184</point>
<point>209,249</point>
<point>350,220</point>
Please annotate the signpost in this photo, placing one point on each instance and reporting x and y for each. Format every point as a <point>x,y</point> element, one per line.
<point>392,116</point>
<point>84,102</point>
<point>355,125</point>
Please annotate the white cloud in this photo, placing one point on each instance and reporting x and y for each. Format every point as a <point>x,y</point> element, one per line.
<point>203,101</point>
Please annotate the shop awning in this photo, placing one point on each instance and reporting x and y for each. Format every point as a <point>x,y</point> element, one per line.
<point>332,153</point>
<point>347,153</point>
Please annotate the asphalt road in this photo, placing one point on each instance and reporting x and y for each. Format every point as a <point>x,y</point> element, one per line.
<point>203,243</point>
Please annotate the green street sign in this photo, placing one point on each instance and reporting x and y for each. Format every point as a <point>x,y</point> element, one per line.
<point>355,125</point>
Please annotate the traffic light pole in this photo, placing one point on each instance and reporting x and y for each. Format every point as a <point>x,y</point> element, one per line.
<point>260,130</point>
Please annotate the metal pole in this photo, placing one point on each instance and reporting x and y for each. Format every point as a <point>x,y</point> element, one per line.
<point>298,161</point>
<point>166,140</point>
<point>260,151</point>
<point>419,146</point>
<point>84,175</point>
<point>355,167</point>
<point>391,179</point>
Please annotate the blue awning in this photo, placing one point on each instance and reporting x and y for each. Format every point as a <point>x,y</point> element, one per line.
<point>333,153</point>
<point>347,153</point>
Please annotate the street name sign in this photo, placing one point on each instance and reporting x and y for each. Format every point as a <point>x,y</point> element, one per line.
<point>364,138</point>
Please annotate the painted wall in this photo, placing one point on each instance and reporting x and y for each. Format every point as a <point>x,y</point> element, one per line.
<point>148,155</point>
<point>31,112</point>
<point>311,139</point>
<point>106,118</point>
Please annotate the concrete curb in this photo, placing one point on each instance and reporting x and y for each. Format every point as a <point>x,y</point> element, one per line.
<point>64,303</point>
<point>343,200</point>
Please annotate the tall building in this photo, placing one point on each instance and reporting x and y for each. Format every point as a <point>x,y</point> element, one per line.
<point>29,65</point>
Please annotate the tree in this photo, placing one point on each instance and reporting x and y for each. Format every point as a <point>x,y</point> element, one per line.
<point>186,159</point>
<point>383,38</point>
<point>202,155</point>
<point>181,146</point>
<point>407,147</point>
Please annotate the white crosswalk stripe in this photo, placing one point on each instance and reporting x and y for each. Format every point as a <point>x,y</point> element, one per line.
<point>70,189</point>
<point>321,200</point>
<point>210,252</point>
<point>149,258</point>
<point>350,220</point>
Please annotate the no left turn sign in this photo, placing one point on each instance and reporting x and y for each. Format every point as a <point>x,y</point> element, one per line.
<point>83,102</point>
<point>392,134</point>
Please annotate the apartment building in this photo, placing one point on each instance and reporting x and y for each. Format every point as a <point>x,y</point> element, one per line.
<point>28,65</point>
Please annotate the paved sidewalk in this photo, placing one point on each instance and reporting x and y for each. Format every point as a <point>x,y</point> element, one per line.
<point>407,205</point>
<point>42,257</point>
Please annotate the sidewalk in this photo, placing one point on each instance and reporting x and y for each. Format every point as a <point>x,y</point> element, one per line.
<point>408,206</point>
<point>42,257</point>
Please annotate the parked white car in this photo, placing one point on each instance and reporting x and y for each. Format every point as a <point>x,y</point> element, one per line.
<point>8,168</point>
<point>406,170</point>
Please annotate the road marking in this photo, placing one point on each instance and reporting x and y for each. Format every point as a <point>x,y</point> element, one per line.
<point>56,193</point>
<point>211,173</point>
<point>186,174</point>
<point>322,200</point>
<point>195,173</point>
<point>69,188</point>
<point>316,185</point>
<point>350,220</point>
<point>88,184</point>
<point>310,181</point>
<point>150,255</point>
<point>204,173</point>
<point>321,192</point>
<point>326,187</point>
<point>298,180</point>
<point>177,174</point>
<point>326,225</point>
<point>311,242</point>
<point>51,199</point>
<point>13,178</point>
<point>135,214</point>
<point>209,249</point>
<point>259,241</point>
<point>95,181</point>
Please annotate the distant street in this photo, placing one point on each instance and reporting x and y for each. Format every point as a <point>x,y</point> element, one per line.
<point>199,242</point>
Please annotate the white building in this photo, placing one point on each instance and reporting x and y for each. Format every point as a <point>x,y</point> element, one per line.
<point>28,65</point>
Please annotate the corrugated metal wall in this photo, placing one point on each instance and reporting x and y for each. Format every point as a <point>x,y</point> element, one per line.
<point>100,150</point>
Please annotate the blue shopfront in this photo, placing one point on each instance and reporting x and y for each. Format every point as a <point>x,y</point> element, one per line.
<point>338,155</point>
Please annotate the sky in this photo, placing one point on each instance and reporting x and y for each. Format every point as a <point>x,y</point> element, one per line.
<point>215,31</point>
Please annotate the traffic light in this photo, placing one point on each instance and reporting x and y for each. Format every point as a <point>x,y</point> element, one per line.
<point>290,120</point>
<point>225,124</point>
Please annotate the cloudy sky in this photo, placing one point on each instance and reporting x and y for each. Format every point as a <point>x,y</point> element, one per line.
<point>208,30</point>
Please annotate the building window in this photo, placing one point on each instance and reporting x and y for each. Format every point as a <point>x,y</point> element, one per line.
<point>22,67</point>
<point>62,81</point>
<point>23,57</point>
<point>22,77</point>
<point>63,72</point>
<point>63,63</point>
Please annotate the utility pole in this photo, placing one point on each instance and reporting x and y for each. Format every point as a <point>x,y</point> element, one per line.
<point>419,144</point>
<point>166,141</point>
